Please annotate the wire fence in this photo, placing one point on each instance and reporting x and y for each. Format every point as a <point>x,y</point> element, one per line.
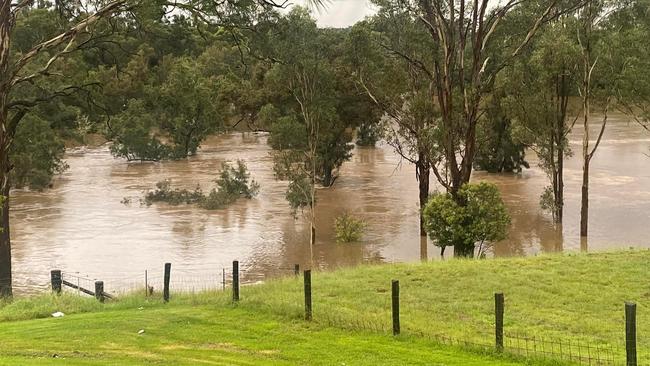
<point>513,343</point>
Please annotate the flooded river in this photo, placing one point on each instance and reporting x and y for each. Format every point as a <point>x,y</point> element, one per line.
<point>81,226</point>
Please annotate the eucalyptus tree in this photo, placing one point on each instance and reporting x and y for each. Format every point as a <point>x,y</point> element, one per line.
<point>401,91</point>
<point>595,89</point>
<point>310,139</point>
<point>540,85</point>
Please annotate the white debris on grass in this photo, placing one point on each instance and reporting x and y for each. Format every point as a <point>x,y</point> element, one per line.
<point>58,314</point>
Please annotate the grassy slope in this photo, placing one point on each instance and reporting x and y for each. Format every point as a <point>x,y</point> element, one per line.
<point>194,335</point>
<point>576,297</point>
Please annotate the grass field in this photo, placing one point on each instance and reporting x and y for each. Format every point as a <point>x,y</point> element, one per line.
<point>578,298</point>
<point>206,335</point>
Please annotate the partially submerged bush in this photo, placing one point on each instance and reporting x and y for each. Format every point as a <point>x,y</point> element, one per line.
<point>232,184</point>
<point>480,218</point>
<point>348,228</point>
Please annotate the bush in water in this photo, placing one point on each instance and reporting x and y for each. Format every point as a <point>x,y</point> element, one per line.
<point>232,184</point>
<point>348,228</point>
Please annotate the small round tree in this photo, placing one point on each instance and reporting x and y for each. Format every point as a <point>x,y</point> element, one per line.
<point>476,215</point>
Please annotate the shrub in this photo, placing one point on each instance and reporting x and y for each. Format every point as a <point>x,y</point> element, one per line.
<point>348,228</point>
<point>481,218</point>
<point>164,193</point>
<point>232,184</point>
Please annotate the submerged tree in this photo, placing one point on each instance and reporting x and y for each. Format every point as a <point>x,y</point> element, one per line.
<point>482,218</point>
<point>540,86</point>
<point>400,90</point>
<point>498,149</point>
<point>310,141</point>
<point>590,91</point>
<point>465,45</point>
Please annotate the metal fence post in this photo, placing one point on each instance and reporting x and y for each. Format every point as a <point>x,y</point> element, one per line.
<point>395,306</point>
<point>498,324</point>
<point>630,333</point>
<point>296,269</point>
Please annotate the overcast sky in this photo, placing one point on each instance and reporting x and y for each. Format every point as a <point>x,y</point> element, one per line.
<point>340,13</point>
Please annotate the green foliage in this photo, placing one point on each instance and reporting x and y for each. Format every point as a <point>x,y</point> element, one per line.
<point>134,137</point>
<point>498,151</point>
<point>547,199</point>
<point>37,154</point>
<point>348,228</point>
<point>299,193</point>
<point>233,183</point>
<point>190,108</point>
<point>287,133</point>
<point>476,215</point>
<point>368,134</point>
<point>175,196</point>
<point>312,94</point>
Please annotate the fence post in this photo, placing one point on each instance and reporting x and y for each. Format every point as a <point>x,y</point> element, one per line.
<point>307,279</point>
<point>99,290</point>
<point>630,333</point>
<point>235,281</point>
<point>56,280</point>
<point>223,279</point>
<point>498,324</point>
<point>168,272</point>
<point>395,306</point>
<point>296,269</point>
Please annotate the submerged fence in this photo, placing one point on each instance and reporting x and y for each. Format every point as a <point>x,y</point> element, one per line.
<point>502,342</point>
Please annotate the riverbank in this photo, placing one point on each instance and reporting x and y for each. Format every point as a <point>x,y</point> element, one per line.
<point>575,298</point>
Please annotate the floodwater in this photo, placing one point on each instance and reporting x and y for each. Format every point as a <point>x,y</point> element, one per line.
<point>82,227</point>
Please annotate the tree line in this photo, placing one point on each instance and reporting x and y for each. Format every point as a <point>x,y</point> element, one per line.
<point>452,86</point>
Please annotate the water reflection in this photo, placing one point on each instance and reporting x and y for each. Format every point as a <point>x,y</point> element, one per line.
<point>80,224</point>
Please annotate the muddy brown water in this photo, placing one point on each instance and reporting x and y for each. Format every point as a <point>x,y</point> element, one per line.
<point>82,227</point>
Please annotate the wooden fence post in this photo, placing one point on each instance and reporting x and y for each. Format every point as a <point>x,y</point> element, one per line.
<point>99,290</point>
<point>168,272</point>
<point>223,279</point>
<point>307,279</point>
<point>296,269</point>
<point>395,307</point>
<point>498,323</point>
<point>630,333</point>
<point>56,280</point>
<point>235,281</point>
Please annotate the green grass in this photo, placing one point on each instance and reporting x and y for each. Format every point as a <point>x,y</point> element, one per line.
<point>205,334</point>
<point>578,298</point>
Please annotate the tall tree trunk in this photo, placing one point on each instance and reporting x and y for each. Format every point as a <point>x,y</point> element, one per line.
<point>586,104</point>
<point>5,242</point>
<point>584,203</point>
<point>6,23</point>
<point>423,171</point>
<point>559,203</point>
<point>5,167</point>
